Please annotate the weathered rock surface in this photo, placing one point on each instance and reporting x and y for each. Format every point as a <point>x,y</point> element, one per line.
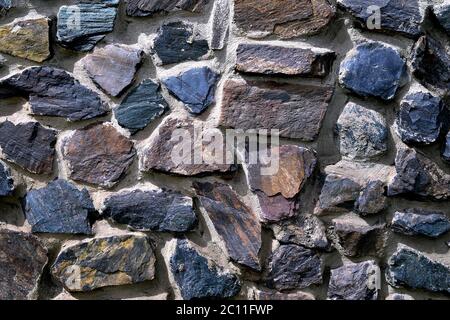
<point>5,5</point>
<point>176,42</point>
<point>6,181</point>
<point>29,145</point>
<point>155,210</point>
<point>399,16</point>
<point>355,281</point>
<point>2,61</point>
<point>113,67</point>
<point>411,268</point>
<point>278,296</point>
<point>236,224</point>
<point>198,278</point>
<point>143,8</point>
<point>97,154</point>
<point>420,222</point>
<point>23,258</point>
<point>441,12</point>
<point>195,88</point>
<point>53,92</point>
<point>106,261</point>
<point>141,106</point>
<point>297,111</point>
<point>276,208</point>
<point>220,23</point>
<point>362,132</point>
<point>338,195</point>
<point>286,61</point>
<point>373,70</point>
<point>286,19</point>
<point>446,148</point>
<point>294,267</point>
<point>59,208</point>
<point>27,37</point>
<point>420,118</point>
<point>361,172</point>
<point>399,296</point>
<point>372,199</point>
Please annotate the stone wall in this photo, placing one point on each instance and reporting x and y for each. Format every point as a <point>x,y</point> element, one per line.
<point>93,205</point>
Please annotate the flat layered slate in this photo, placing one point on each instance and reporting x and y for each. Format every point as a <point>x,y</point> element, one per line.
<point>145,8</point>
<point>297,111</point>
<point>6,181</point>
<point>427,223</point>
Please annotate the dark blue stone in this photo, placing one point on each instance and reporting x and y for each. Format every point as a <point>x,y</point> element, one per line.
<point>5,5</point>
<point>59,208</point>
<point>373,70</point>
<point>442,14</point>
<point>421,222</point>
<point>6,181</point>
<point>197,279</point>
<point>446,148</point>
<point>141,106</point>
<point>195,88</point>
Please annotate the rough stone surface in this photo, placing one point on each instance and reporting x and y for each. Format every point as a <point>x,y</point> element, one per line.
<point>155,210</point>
<point>296,111</point>
<point>29,145</point>
<point>420,222</point>
<point>97,154</point>
<point>105,261</point>
<point>144,8</point>
<point>23,258</point>
<point>279,296</point>
<point>276,208</point>
<point>59,208</point>
<point>373,70</point>
<point>441,13</point>
<point>372,199</point>
<point>355,281</point>
<point>338,194</point>
<point>6,181</point>
<point>141,106</point>
<point>399,296</point>
<point>5,5</point>
<point>286,61</point>
<point>446,148</point>
<point>195,88</point>
<point>220,22</point>
<point>362,133</point>
<point>234,221</point>
<point>198,278</point>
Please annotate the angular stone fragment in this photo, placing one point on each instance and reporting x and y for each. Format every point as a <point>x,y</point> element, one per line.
<point>276,208</point>
<point>355,281</point>
<point>286,19</point>
<point>141,106</point>
<point>294,267</point>
<point>220,22</point>
<point>361,172</point>
<point>5,5</point>
<point>59,208</point>
<point>113,67</point>
<point>198,278</point>
<point>97,154</point>
<point>297,111</point>
<point>236,224</point>
<point>53,92</point>
<point>399,296</point>
<point>338,195</point>
<point>420,222</point>
<point>195,88</point>
<point>362,132</point>
<point>418,176</point>
<point>411,268</point>
<point>29,145</point>
<point>143,8</point>
<point>373,70</point>
<point>371,199</point>
<point>159,155</point>
<point>176,42</point>
<point>6,181</point>
<point>442,12</point>
<point>399,16</point>
<point>106,261</point>
<point>279,296</point>
<point>22,262</point>
<point>287,61</point>
<point>27,37</point>
<point>446,148</point>
<point>420,118</point>
<point>155,210</point>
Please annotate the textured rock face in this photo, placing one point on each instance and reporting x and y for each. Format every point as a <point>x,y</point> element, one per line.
<point>362,133</point>
<point>97,154</point>
<point>276,208</point>
<point>23,259</point>
<point>296,111</point>
<point>278,60</point>
<point>141,106</point>
<point>399,296</point>
<point>27,37</point>
<point>236,224</point>
<point>155,210</point>
<point>355,281</point>
<point>174,44</point>
<point>446,148</point>
<point>102,262</point>
<point>287,19</point>
<point>113,67</point>
<point>53,92</point>
<point>420,222</point>
<point>59,208</point>
<point>441,12</point>
<point>294,267</point>
<point>198,278</point>
<point>420,118</point>
<point>411,268</point>
<point>195,88</point>
<point>143,8</point>
<point>6,181</point>
<point>373,70</point>
<point>396,15</point>
<point>337,195</point>
<point>278,296</point>
<point>219,24</point>
<point>372,199</point>
<point>29,145</point>
<point>5,5</point>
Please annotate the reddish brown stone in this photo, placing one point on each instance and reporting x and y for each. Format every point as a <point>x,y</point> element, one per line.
<point>98,154</point>
<point>276,208</point>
